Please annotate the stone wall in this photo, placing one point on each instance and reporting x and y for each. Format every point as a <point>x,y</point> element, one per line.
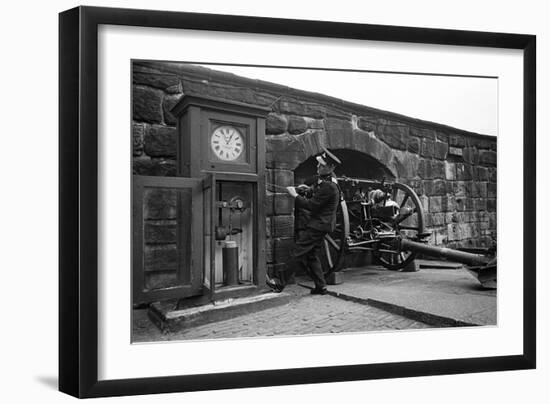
<point>453,171</point>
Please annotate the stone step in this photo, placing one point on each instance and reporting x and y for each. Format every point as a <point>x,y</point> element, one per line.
<point>168,319</point>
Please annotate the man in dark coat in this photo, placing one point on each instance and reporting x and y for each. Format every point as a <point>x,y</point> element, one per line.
<point>322,208</point>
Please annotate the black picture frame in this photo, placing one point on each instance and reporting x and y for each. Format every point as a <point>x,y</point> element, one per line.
<point>78,201</point>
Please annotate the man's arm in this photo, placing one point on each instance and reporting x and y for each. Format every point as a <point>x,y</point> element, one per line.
<point>319,198</point>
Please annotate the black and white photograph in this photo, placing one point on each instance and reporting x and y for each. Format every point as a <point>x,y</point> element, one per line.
<point>288,201</point>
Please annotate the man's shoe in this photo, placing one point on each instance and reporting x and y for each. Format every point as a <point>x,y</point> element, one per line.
<point>274,284</point>
<point>316,291</point>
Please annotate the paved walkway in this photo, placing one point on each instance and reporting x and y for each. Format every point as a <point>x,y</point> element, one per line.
<point>305,314</point>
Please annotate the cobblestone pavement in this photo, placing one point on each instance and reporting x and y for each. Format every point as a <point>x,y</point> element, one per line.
<point>305,314</point>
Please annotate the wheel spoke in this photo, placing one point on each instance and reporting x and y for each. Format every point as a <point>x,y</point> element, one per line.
<point>327,252</point>
<point>329,239</point>
<point>404,201</point>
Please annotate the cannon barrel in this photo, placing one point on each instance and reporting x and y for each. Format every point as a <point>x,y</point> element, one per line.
<point>442,252</point>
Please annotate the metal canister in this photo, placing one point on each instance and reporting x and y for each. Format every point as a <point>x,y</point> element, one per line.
<point>230,259</point>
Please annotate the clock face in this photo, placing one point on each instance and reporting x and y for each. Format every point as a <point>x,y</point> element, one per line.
<point>227,143</point>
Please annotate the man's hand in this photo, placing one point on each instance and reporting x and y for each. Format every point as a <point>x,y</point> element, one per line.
<point>292,191</point>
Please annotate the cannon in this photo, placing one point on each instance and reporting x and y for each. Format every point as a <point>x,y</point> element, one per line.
<point>387,219</point>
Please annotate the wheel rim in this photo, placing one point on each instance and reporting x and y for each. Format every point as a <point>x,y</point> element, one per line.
<point>411,227</point>
<point>334,244</point>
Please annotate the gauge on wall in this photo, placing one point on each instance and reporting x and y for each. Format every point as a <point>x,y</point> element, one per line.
<point>227,143</point>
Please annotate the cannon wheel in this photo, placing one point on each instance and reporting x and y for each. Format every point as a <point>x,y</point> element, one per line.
<point>334,245</point>
<point>412,228</point>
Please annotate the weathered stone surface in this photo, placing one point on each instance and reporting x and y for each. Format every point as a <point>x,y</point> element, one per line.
<point>413,145</point>
<point>366,123</point>
<point>492,174</point>
<point>481,174</point>
<point>168,103</point>
<point>435,188</point>
<point>457,141</point>
<point>339,133</point>
<point>455,151</point>
<point>159,204</point>
<point>268,232</point>
<point>269,197</point>
<point>163,257</point>
<point>440,150</point>
<point>315,123</point>
<point>160,141</point>
<point>394,135</point>
<point>283,143</point>
<point>283,204</point>
<point>160,232</point>
<point>436,219</point>
<point>283,178</point>
<point>312,141</point>
<point>450,171</point>
<point>282,226</point>
<point>491,190</point>
<point>147,104</point>
<point>269,256</point>
<point>487,158</point>
<point>442,137</point>
<point>164,81</point>
<point>431,169</point>
<point>138,132</point>
<point>479,189</point>
<point>428,147</point>
<point>492,205</point>
<point>296,107</point>
<point>406,164</point>
<point>155,167</point>
<point>296,125</point>
<point>464,172</point>
<point>282,249</point>
<point>436,204</point>
<point>275,124</point>
<point>480,204</point>
<point>470,155</point>
<point>425,133</point>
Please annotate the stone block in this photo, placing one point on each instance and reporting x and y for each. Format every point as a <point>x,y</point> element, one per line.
<point>492,205</point>
<point>368,124</point>
<point>457,141</point>
<point>480,204</point>
<point>479,189</point>
<point>435,188</point>
<point>138,132</point>
<point>488,158</point>
<point>413,145</point>
<point>166,82</point>
<point>455,151</point>
<point>339,133</point>
<point>412,266</point>
<point>282,249</point>
<point>335,278</point>
<point>147,104</point>
<point>275,124</point>
<point>428,147</point>
<point>436,219</point>
<point>283,204</point>
<point>283,178</point>
<point>481,174</point>
<point>154,167</point>
<point>394,135</point>
<point>167,104</point>
<point>282,226</point>
<point>492,175</point>
<point>406,164</point>
<point>269,197</point>
<point>160,141</point>
<point>283,143</point>
<point>315,124</point>
<point>450,171</point>
<point>269,256</point>
<point>491,190</point>
<point>297,107</point>
<point>464,172</point>
<point>440,150</point>
<point>296,125</point>
<point>424,133</point>
<point>470,155</point>
<point>435,204</point>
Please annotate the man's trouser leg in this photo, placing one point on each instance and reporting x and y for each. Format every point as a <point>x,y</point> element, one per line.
<point>316,270</point>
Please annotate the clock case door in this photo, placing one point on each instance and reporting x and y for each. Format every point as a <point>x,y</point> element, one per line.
<point>246,162</point>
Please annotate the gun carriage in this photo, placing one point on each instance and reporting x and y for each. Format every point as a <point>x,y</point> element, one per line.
<point>387,219</point>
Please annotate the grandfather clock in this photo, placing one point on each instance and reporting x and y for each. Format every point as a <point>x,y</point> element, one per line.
<point>223,141</point>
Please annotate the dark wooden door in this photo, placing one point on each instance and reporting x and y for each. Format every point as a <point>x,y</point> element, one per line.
<point>168,238</point>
